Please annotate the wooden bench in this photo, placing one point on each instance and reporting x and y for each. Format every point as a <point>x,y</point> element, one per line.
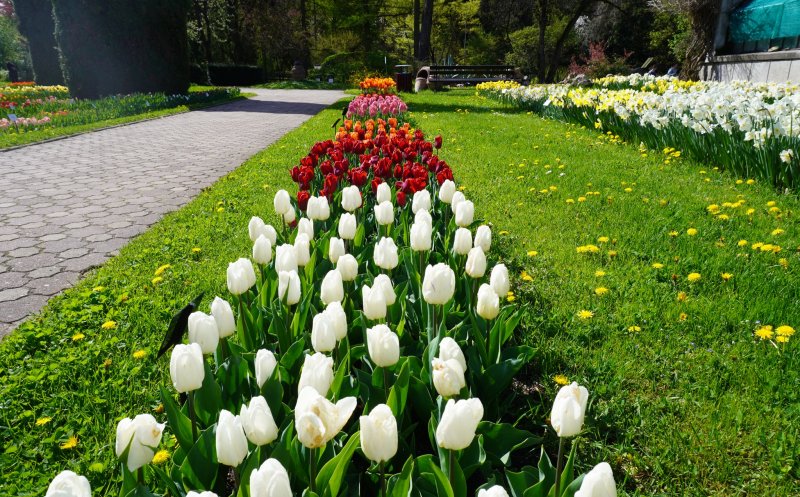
<point>439,76</point>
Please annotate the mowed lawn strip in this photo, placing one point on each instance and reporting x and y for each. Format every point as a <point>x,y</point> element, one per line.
<point>685,400</point>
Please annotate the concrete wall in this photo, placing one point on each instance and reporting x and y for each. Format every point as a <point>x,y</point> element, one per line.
<point>777,67</point>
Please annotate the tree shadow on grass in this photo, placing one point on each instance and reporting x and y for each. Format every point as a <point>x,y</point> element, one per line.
<point>443,106</point>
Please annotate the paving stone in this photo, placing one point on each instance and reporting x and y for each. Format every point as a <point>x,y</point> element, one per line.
<point>44,272</point>
<point>22,307</point>
<point>13,279</point>
<point>17,243</point>
<point>12,294</point>
<point>53,284</point>
<point>84,263</point>
<point>23,252</point>
<point>64,244</point>
<point>73,253</point>
<point>52,237</point>
<point>32,262</point>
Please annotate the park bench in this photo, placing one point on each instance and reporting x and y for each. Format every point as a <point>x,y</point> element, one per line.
<point>439,76</point>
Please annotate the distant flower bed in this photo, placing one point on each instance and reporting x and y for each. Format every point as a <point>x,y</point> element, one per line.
<point>376,106</point>
<point>383,86</point>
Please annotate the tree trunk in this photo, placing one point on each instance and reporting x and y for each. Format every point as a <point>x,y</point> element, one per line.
<point>425,33</point>
<point>416,30</point>
<point>542,65</point>
<point>555,59</point>
<point>36,24</point>
<point>703,19</point>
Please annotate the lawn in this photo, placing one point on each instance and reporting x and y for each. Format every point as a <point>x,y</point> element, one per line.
<point>684,398</point>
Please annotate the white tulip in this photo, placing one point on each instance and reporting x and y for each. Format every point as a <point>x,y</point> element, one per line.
<point>494,491</point>
<point>385,254</point>
<point>270,480</point>
<point>449,349</point>
<point>332,289</point>
<point>458,197</point>
<point>231,442</point>
<point>421,236</point>
<point>465,213</point>
<point>323,338</point>
<point>348,266</point>
<point>69,484</point>
<point>458,424</point>
<point>241,276</point>
<point>383,193</point>
<point>446,191</point>
<point>285,258</point>
<point>323,209</point>
<point>488,302</point>
<point>476,263</point>
<point>317,373</point>
<point>186,367</point>
<point>351,198</point>
<point>203,331</point>
<point>347,226</point>
<point>289,216</point>
<point>311,207</point>
<point>207,493</point>
<point>282,202</point>
<point>317,420</point>
<point>141,436</point>
<point>383,282</point>
<point>384,213</point>
<point>223,315</point>
<point>569,409</point>
<point>257,421</point>
<point>439,284</point>
<point>289,287</point>
<point>423,215</point>
<point>483,238</point>
<point>462,241</point>
<point>421,201</point>
<point>599,482</point>
<point>265,365</point>
<point>337,319</point>
<point>379,434</point>
<point>305,226</point>
<point>302,249</point>
<point>335,249</point>
<point>383,346</point>
<point>262,250</point>
<point>373,302</point>
<point>255,228</point>
<point>448,377</point>
<point>499,280</point>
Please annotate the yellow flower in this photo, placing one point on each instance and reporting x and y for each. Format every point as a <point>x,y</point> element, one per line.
<point>158,409</point>
<point>691,232</point>
<point>600,291</point>
<point>71,443</point>
<point>525,276</point>
<point>140,354</point>
<point>628,190</point>
<point>161,457</point>
<point>504,232</point>
<point>774,209</point>
<point>757,245</point>
<point>634,328</point>
<point>570,201</point>
<point>109,325</point>
<point>581,199</point>
<point>157,280</point>
<point>693,277</point>
<point>742,243</point>
<point>602,239</point>
<point>750,212</point>
<point>777,231</point>
<point>784,262</point>
<point>196,250</point>
<point>220,209</point>
<point>751,182</point>
<point>561,379</point>
<point>681,296</point>
<point>784,330</point>
<point>781,339</point>
<point>584,314</point>
<point>771,203</point>
<point>532,253</point>
<point>588,249</point>
<point>657,265</point>
<point>612,253</point>
<point>726,276</point>
<point>767,247</point>
<point>599,273</point>
<point>107,363</point>
<point>43,420</point>
<point>78,336</point>
<point>98,289</point>
<point>683,317</point>
<point>765,332</point>
<point>161,269</point>
<point>723,217</point>
<point>462,188</point>
<point>673,233</point>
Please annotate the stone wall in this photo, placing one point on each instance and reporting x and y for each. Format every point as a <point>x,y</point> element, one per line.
<point>759,67</point>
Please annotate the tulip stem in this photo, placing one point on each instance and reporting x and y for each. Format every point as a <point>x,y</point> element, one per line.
<point>450,466</point>
<point>383,479</point>
<point>236,480</point>
<point>140,472</point>
<point>313,470</point>
<point>558,464</point>
<point>193,417</point>
<point>386,385</point>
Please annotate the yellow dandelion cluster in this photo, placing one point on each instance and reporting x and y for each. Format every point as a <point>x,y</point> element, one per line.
<point>525,276</point>
<point>78,336</point>
<point>585,315</point>
<point>161,457</point>
<point>691,231</point>
<point>693,277</point>
<point>109,325</point>
<point>140,354</point>
<point>765,332</point>
<point>600,291</point>
<point>726,276</point>
<point>71,443</point>
<point>560,379</point>
<point>634,328</point>
<point>588,249</point>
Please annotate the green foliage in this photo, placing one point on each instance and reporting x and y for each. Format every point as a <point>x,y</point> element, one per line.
<point>37,25</point>
<point>352,67</point>
<point>525,45</point>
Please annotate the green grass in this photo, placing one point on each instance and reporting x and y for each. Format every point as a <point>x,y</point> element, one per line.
<point>306,84</point>
<point>693,407</point>
<point>8,139</point>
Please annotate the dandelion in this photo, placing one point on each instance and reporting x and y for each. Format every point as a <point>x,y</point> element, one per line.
<point>691,232</point>
<point>560,379</point>
<point>43,420</point>
<point>657,265</point>
<point>750,212</point>
<point>510,297</point>
<point>503,232</point>
<point>140,354</point>
<point>602,239</point>
<point>599,273</point>
<point>109,325</point>
<point>726,276</point>
<point>784,262</point>
<point>220,209</point>
<point>585,315</point>
<point>570,201</point>
<point>751,182</point>
<point>196,250</point>
<point>634,329</point>
<point>581,199</point>
<point>98,289</point>
<point>612,253</point>
<point>588,249</point>
<point>600,291</point>
<point>723,217</point>
<point>532,253</point>
<point>525,276</point>
<point>78,336</point>
<point>742,243</point>
<point>771,203</point>
<point>681,296</point>
<point>158,409</point>
<point>161,457</point>
<point>156,280</point>
<point>757,245</point>
<point>628,190</point>
<point>161,269</point>
<point>107,363</point>
<point>71,443</point>
<point>774,210</point>
<point>673,233</point>
<point>765,332</point>
<point>782,339</point>
<point>784,330</point>
<point>693,277</point>
<point>777,231</point>
<point>683,317</point>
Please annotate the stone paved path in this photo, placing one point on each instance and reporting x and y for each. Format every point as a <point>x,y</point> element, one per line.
<point>68,205</point>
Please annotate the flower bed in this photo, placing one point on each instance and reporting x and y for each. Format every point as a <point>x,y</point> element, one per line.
<point>750,129</point>
<point>376,106</point>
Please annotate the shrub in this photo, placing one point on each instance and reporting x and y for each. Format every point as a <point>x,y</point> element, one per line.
<point>36,24</point>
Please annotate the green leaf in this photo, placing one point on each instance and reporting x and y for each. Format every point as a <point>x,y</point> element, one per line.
<point>547,478</point>
<point>400,485</point>
<point>399,392</point>
<point>179,423</point>
<point>208,399</point>
<point>426,467</point>
<point>501,439</point>
<point>199,469</point>
<point>331,476</point>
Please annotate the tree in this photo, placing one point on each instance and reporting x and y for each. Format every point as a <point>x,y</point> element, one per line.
<point>37,26</point>
<point>702,16</point>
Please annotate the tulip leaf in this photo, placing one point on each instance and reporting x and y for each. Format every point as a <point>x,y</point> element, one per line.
<point>431,472</point>
<point>179,423</point>
<point>501,439</point>
<point>502,330</point>
<point>573,487</point>
<point>473,457</point>
<point>233,376</point>
<point>399,391</point>
<point>208,398</point>
<point>421,400</point>
<point>569,468</point>
<point>400,485</point>
<point>199,469</point>
<point>519,482</point>
<point>140,491</point>
<point>547,478</point>
<point>331,476</point>
<point>172,486</point>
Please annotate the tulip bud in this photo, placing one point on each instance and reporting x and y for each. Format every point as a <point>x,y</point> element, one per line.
<point>351,198</point>
<point>257,421</point>
<point>317,420</point>
<point>385,254</point>
<point>140,435</point>
<point>271,234</point>
<point>332,289</point>
<point>423,216</point>
<point>289,216</point>
<point>488,302</point>
<point>207,493</point>
<point>458,424</point>
<point>270,480</point>
<point>285,258</point>
<point>421,201</point>
<point>347,226</point>
<point>374,302</point>
<point>465,213</point>
<point>483,238</point>
<point>348,266</point>
<point>69,484</point>
<point>255,228</point>
<point>323,209</point>
<point>186,367</point>
<point>495,491</point>
<point>302,249</point>
<point>462,241</point>
<point>499,280</point>
<point>203,331</point>
<point>449,349</point>
<point>305,226</point>
<point>223,315</point>
<point>458,197</point>
<point>448,377</point>
<point>446,191</point>
<point>569,409</point>
<point>421,236</point>
<point>289,287</point>
<point>476,263</point>
<point>599,482</point>
<point>384,213</point>
<point>383,346</point>
<point>383,194</point>
<point>322,337</point>
<point>282,202</point>
<point>262,250</point>
<point>230,439</point>
<point>317,373</point>
<point>335,249</point>
<point>265,365</point>
<point>385,284</point>
<point>439,284</point>
<point>241,276</point>
<point>379,434</point>
<point>337,319</point>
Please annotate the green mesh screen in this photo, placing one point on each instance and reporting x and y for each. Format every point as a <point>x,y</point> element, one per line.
<point>765,20</point>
